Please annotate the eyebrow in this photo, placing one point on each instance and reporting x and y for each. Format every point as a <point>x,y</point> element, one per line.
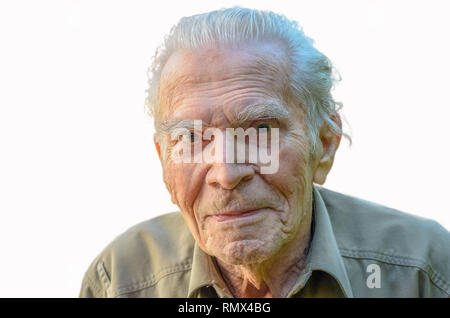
<point>171,125</point>
<point>268,110</point>
<point>254,112</point>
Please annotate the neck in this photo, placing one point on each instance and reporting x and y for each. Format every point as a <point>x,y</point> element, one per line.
<point>273,277</point>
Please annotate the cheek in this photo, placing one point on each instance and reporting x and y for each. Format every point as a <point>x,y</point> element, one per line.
<point>184,182</point>
<point>293,170</point>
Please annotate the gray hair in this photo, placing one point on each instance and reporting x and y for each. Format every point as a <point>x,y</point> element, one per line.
<point>311,75</point>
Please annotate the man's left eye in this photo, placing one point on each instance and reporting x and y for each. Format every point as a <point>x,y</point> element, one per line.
<point>267,126</point>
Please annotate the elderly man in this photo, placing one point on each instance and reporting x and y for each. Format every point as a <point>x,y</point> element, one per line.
<point>254,227</point>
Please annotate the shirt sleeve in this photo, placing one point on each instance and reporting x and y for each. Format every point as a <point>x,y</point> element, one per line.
<point>91,285</point>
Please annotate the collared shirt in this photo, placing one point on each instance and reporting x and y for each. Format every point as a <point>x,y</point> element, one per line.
<point>358,249</point>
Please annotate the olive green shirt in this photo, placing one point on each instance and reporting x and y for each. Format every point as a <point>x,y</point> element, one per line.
<point>358,249</point>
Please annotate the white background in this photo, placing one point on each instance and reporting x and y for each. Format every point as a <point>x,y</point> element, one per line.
<point>77,163</point>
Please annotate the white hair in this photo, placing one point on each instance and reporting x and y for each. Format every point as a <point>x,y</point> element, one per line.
<point>311,75</point>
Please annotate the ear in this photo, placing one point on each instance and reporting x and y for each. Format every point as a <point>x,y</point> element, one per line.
<point>156,140</point>
<point>328,145</point>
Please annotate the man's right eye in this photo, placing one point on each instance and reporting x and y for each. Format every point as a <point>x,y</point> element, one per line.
<point>191,137</point>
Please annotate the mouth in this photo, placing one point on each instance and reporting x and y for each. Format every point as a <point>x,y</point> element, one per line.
<point>235,215</point>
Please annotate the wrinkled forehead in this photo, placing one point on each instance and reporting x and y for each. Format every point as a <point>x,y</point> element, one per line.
<point>230,77</point>
<point>212,63</point>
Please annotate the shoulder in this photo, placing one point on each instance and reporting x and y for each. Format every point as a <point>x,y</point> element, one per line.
<point>360,223</point>
<point>367,230</point>
<point>140,257</point>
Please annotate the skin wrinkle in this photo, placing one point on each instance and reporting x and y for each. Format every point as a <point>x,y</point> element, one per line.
<point>258,65</point>
<point>259,255</point>
<point>246,88</point>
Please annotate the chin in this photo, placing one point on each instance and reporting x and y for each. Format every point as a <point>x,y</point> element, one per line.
<point>244,252</point>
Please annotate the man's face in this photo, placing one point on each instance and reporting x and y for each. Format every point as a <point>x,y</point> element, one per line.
<point>234,212</point>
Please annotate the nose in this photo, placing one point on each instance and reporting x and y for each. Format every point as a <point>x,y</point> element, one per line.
<point>229,175</point>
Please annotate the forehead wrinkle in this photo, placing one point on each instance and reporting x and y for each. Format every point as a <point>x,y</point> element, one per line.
<point>248,75</point>
<point>265,63</point>
<point>169,86</point>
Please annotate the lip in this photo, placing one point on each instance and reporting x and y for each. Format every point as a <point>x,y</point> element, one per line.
<point>235,215</point>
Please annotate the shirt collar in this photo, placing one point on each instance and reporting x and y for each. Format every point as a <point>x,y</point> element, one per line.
<point>204,273</point>
<point>324,251</point>
<point>323,256</point>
